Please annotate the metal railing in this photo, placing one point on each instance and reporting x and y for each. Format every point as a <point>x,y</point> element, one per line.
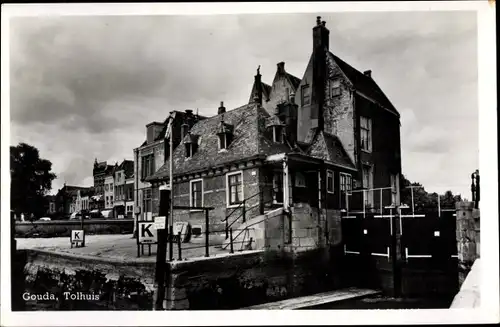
<point>243,207</point>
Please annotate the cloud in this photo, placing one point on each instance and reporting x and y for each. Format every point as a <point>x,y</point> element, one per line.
<point>84,87</point>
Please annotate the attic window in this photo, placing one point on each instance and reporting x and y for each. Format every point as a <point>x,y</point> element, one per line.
<point>225,134</point>
<point>306,95</point>
<point>278,133</point>
<point>190,149</point>
<point>335,88</point>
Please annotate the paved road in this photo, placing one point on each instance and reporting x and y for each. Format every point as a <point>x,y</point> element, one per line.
<point>121,247</point>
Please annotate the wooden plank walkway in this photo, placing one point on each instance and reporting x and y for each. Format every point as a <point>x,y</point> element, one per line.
<point>316,299</point>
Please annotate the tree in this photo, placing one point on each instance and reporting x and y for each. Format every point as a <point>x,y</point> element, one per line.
<point>424,200</point>
<point>31,180</point>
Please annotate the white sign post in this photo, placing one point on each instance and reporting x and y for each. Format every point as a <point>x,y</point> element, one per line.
<point>77,237</point>
<point>147,234</point>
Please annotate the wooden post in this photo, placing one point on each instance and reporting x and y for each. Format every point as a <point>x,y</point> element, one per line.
<point>227,227</point>
<point>81,227</point>
<point>244,209</point>
<point>231,240</point>
<point>171,243</point>
<point>179,245</point>
<point>161,253</point>
<point>207,233</point>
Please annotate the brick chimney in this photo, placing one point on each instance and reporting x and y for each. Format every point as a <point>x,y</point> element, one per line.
<point>281,68</point>
<point>258,86</point>
<point>221,109</point>
<point>368,73</point>
<point>320,48</point>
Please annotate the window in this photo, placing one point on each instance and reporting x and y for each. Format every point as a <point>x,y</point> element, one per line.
<point>148,164</point>
<point>306,95</point>
<point>222,141</point>
<point>335,89</point>
<point>345,182</point>
<point>147,195</point>
<point>196,193</point>
<point>278,134</point>
<point>190,149</point>
<point>278,187</point>
<point>234,188</point>
<point>300,180</point>
<point>368,184</point>
<point>329,181</point>
<point>225,139</point>
<point>366,131</point>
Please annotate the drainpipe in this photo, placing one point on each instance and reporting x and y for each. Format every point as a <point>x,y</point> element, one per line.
<point>136,187</point>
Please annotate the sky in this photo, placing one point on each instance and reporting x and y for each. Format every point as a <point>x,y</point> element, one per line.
<point>85,87</point>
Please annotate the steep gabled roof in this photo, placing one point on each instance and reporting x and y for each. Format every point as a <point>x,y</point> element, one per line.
<point>364,84</point>
<point>128,167</point>
<point>249,140</point>
<point>295,81</point>
<point>329,147</point>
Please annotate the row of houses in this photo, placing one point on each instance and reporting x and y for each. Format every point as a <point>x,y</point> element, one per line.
<point>309,140</point>
<point>111,196</point>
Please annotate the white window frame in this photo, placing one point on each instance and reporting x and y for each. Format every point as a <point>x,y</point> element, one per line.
<point>191,193</point>
<point>368,188</point>
<point>365,127</point>
<point>277,173</point>
<point>333,181</point>
<point>275,134</point>
<point>228,194</point>
<point>346,176</point>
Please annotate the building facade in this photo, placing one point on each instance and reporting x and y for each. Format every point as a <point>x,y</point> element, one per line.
<point>152,155</point>
<point>123,191</point>
<point>100,171</point>
<point>66,200</point>
<point>330,140</point>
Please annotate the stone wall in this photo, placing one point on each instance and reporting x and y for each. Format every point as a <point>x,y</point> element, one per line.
<point>468,237</point>
<point>113,285</point>
<point>63,228</point>
<point>311,230</point>
<point>245,279</point>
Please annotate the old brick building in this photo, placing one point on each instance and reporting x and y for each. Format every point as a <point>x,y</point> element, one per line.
<point>100,171</point>
<point>152,154</point>
<point>312,140</point>
<point>124,189</point>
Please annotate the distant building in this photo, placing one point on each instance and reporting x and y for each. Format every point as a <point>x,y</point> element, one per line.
<point>50,205</point>
<point>66,200</point>
<point>100,172</point>
<point>123,191</point>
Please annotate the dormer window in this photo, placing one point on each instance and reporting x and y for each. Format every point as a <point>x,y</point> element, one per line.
<point>191,144</point>
<point>189,150</point>
<point>278,133</point>
<point>225,134</point>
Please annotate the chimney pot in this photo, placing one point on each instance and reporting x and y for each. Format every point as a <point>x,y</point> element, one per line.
<point>318,20</point>
<point>368,73</point>
<point>221,109</point>
<point>323,23</point>
<point>292,97</point>
<point>281,67</point>
<point>189,112</point>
